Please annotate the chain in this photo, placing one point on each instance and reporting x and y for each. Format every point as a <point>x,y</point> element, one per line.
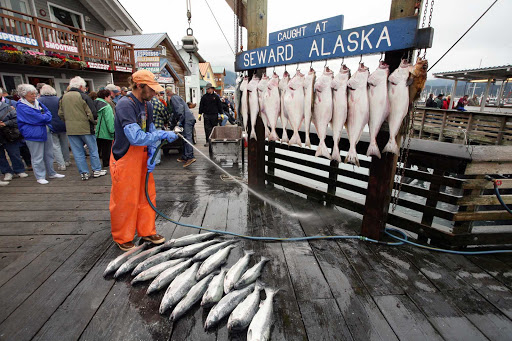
<point>189,12</point>
<point>235,26</point>
<point>403,161</point>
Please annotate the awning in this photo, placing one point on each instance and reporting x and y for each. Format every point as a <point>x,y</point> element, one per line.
<point>494,73</point>
<point>202,83</point>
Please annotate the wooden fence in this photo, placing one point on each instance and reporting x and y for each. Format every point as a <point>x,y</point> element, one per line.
<point>88,46</point>
<point>444,197</point>
<point>459,126</point>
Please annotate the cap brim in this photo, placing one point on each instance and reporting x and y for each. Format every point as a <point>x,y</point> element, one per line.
<point>157,87</point>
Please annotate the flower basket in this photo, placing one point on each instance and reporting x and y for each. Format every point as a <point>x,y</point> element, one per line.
<point>31,60</point>
<point>56,62</point>
<point>73,65</point>
<point>5,57</point>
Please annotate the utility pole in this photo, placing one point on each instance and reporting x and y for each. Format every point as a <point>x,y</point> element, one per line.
<point>257,37</point>
<point>382,171</point>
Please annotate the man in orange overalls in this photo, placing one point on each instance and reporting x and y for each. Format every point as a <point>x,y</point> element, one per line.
<point>136,139</point>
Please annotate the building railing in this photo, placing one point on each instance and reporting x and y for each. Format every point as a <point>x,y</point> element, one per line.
<point>444,198</point>
<point>22,30</point>
<point>463,126</point>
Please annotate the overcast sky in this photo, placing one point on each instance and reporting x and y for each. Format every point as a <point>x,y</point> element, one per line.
<point>489,41</point>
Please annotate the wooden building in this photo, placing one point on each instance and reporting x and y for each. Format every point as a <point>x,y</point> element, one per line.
<point>207,75</point>
<point>173,68</point>
<point>219,73</point>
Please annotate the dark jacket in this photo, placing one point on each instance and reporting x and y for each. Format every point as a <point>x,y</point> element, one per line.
<point>52,103</point>
<point>431,103</point>
<point>181,111</point>
<point>8,116</point>
<point>210,104</point>
<point>32,122</point>
<point>78,111</point>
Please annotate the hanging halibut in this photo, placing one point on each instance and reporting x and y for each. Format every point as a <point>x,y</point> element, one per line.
<point>252,90</point>
<point>339,110</point>
<point>308,103</point>
<point>272,105</point>
<point>379,104</point>
<point>358,110</point>
<point>294,106</point>
<point>244,104</point>
<point>262,88</point>
<point>283,85</point>
<point>398,94</point>
<point>322,113</point>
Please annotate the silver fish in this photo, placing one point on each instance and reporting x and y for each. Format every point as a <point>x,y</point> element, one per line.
<point>272,102</point>
<point>210,250</point>
<point>192,297</point>
<point>294,106</point>
<point>192,239</point>
<point>243,314</point>
<point>379,104</point>
<point>339,108</point>
<point>154,260</point>
<point>167,276</point>
<point>191,250</point>
<point>155,270</point>
<point>244,103</point>
<point>252,89</point>
<point>259,329</point>
<point>238,93</point>
<point>283,85</point>
<point>214,261</point>
<point>226,305</point>
<point>236,271</point>
<point>308,103</point>
<point>262,88</point>
<point>322,111</point>
<point>119,260</point>
<point>131,263</point>
<point>179,288</point>
<point>215,290</point>
<point>251,275</point>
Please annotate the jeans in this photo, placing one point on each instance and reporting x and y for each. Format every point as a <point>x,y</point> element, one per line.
<point>25,153</point>
<point>60,148</point>
<point>188,130</point>
<point>77,147</point>
<point>42,158</point>
<point>224,121</point>
<point>13,149</point>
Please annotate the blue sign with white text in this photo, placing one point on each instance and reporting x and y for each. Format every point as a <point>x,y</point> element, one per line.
<point>306,30</point>
<point>381,37</point>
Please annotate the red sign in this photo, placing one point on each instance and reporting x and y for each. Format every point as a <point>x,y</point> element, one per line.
<point>123,69</point>
<point>60,47</point>
<point>98,66</point>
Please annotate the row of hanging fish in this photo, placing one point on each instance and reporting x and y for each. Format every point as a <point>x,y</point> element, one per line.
<point>341,100</point>
<point>189,269</point>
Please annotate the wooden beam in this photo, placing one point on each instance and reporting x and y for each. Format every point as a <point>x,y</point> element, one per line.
<point>382,171</point>
<point>257,37</point>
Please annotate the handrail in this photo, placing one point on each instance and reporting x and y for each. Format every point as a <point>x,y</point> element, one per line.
<point>52,22</point>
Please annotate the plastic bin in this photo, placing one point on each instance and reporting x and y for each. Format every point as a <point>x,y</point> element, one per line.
<point>226,144</point>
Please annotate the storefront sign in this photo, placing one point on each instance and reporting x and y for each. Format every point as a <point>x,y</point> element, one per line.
<point>18,39</point>
<point>60,47</point>
<point>391,35</point>
<point>307,30</point>
<point>123,69</point>
<point>98,66</point>
<point>148,60</point>
<point>165,80</point>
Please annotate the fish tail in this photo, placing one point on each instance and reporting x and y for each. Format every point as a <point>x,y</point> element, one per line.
<point>336,153</point>
<point>253,134</point>
<point>323,151</point>
<point>273,136</point>
<point>373,149</point>
<point>391,147</point>
<point>295,139</point>
<point>308,142</point>
<point>284,137</point>
<point>249,252</point>
<point>352,157</point>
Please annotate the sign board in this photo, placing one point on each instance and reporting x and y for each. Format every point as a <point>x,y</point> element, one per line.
<point>165,80</point>
<point>148,60</point>
<point>381,37</point>
<point>123,69</point>
<point>306,30</point>
<point>60,47</point>
<point>18,39</point>
<point>98,66</point>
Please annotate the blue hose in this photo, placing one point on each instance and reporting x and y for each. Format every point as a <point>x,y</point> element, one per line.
<point>500,199</point>
<point>400,240</point>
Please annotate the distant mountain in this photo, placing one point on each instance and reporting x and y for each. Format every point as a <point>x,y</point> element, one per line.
<point>230,78</point>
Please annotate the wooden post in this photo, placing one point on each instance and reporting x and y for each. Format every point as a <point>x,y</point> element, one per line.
<point>452,95</point>
<point>483,100</point>
<point>257,37</point>
<point>382,171</point>
<point>37,34</point>
<point>333,176</point>
<point>271,159</point>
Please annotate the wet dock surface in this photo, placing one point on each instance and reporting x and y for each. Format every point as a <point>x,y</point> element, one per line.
<point>56,244</point>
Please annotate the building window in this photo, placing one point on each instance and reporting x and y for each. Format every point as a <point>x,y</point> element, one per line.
<point>66,17</point>
<point>11,82</point>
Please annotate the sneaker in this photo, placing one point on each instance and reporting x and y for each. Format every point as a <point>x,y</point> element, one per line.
<point>99,173</point>
<point>57,176</point>
<point>125,246</point>
<point>85,176</point>
<point>4,183</point>
<point>43,181</point>
<point>68,163</point>
<point>206,144</point>
<point>7,177</point>
<point>61,168</point>
<point>155,239</point>
<point>22,175</point>
<point>181,160</point>
<point>189,162</point>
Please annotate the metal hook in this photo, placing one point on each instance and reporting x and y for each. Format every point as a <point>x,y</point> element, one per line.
<point>274,69</point>
<point>342,61</point>
<point>297,69</point>
<point>361,59</point>
<point>381,55</point>
<point>285,68</point>
<point>325,63</point>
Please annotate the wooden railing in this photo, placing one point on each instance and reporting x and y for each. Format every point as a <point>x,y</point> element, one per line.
<point>444,198</point>
<point>88,46</point>
<point>463,126</point>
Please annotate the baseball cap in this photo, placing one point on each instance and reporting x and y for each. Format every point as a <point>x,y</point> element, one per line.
<point>124,88</point>
<point>148,78</point>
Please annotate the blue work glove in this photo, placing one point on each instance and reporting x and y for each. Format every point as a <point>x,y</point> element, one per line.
<point>168,135</point>
<point>151,152</point>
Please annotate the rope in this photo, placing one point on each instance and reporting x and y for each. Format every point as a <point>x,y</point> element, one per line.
<point>227,41</point>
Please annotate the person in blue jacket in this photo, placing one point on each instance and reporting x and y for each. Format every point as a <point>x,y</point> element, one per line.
<point>58,127</point>
<point>33,121</point>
